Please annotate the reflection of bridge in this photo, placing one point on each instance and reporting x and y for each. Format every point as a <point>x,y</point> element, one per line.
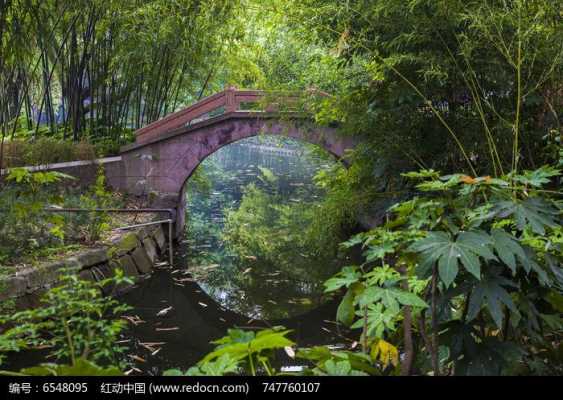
<point>279,151</point>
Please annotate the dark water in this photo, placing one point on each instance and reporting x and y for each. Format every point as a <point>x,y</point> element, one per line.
<point>217,284</point>
<point>198,319</point>
<point>219,281</point>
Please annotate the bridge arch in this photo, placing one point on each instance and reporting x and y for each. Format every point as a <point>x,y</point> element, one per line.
<point>166,154</point>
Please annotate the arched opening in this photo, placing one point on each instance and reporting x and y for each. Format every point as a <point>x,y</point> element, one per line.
<point>253,237</point>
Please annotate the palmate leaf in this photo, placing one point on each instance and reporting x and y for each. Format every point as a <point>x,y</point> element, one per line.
<point>508,248</point>
<point>448,252</point>
<point>534,212</point>
<point>239,344</point>
<point>347,276</point>
<point>378,320</point>
<point>340,368</point>
<point>385,352</point>
<point>391,298</point>
<point>538,177</point>
<point>490,292</point>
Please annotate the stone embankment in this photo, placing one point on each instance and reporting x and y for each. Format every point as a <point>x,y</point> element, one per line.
<point>135,253</point>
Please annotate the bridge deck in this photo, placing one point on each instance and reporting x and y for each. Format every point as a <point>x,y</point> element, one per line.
<point>228,101</point>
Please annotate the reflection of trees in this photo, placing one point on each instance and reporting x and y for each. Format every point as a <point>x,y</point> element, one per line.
<point>287,267</point>
<point>272,264</point>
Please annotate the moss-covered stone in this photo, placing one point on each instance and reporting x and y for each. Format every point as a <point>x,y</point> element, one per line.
<point>142,261</point>
<point>126,244</point>
<point>92,257</point>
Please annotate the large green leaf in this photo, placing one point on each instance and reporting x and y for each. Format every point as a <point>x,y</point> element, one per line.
<point>345,311</point>
<point>347,276</point>
<point>390,297</point>
<point>378,320</point>
<point>239,346</point>
<point>340,368</point>
<point>440,247</point>
<point>507,248</point>
<point>538,177</point>
<point>490,292</point>
<point>534,212</point>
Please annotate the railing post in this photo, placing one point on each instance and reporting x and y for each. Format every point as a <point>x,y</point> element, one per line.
<point>230,100</point>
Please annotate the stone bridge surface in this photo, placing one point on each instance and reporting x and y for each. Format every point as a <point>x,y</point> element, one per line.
<point>167,152</point>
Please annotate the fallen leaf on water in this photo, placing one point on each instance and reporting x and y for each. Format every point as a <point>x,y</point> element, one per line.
<point>164,311</point>
<point>149,348</point>
<point>184,280</point>
<point>152,343</point>
<point>134,319</point>
<point>137,358</point>
<point>272,301</point>
<point>289,351</point>
<point>326,330</point>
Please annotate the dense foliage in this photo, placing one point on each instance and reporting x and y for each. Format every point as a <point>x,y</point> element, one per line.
<point>94,68</point>
<point>462,272</point>
<point>76,322</point>
<point>30,228</point>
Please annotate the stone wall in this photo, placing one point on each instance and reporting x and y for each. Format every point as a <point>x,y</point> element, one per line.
<point>134,252</point>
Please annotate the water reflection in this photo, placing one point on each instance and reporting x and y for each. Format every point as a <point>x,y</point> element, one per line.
<point>181,337</point>
<point>252,243</point>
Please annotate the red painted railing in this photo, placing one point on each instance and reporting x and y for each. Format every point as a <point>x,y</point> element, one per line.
<point>227,101</point>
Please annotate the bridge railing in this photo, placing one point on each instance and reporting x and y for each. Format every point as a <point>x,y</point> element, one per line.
<point>228,101</point>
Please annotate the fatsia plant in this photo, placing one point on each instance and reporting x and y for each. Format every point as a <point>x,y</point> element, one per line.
<point>373,302</point>
<point>486,253</point>
<point>241,351</point>
<point>249,352</point>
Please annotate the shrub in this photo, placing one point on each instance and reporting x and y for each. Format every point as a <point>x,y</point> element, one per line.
<point>19,153</point>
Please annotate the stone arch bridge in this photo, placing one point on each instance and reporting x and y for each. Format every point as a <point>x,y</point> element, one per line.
<point>167,152</point>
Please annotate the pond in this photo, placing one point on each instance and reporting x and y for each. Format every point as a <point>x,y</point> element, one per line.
<point>245,259</point>
<point>254,255</point>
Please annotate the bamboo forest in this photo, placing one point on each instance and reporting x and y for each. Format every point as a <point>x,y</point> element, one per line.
<point>280,188</point>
